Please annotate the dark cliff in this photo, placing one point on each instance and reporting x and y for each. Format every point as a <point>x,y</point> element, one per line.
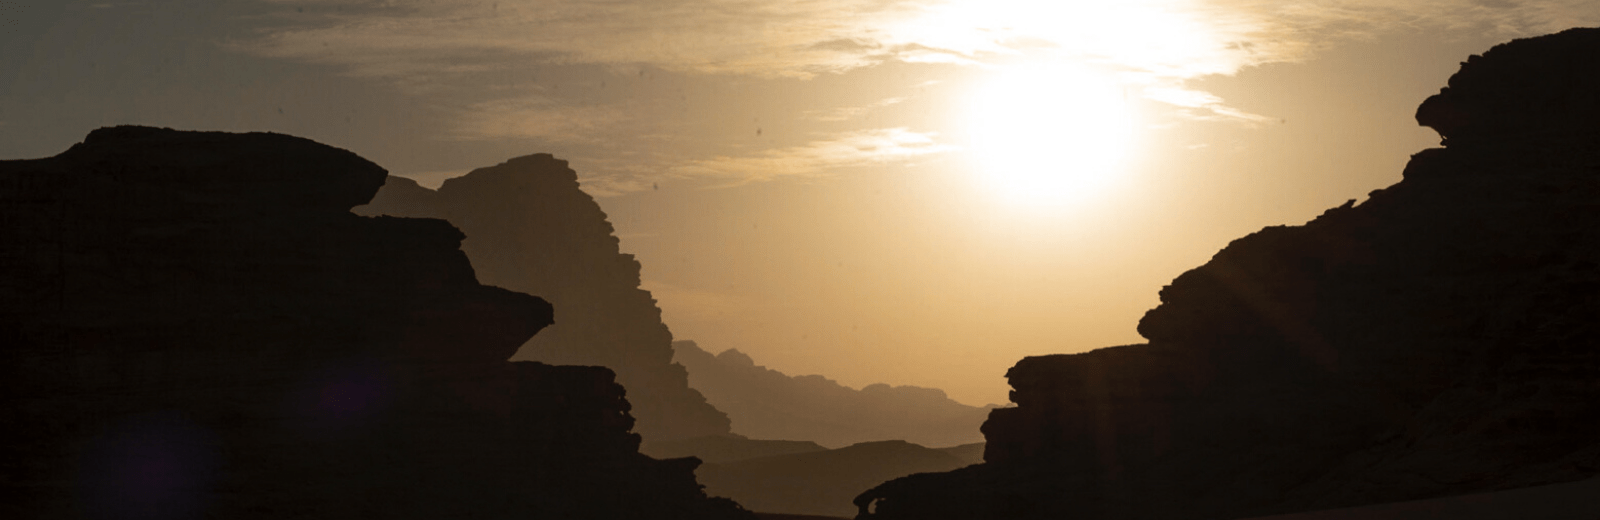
<point>1440,338</point>
<point>767,404</point>
<point>193,324</point>
<point>529,228</point>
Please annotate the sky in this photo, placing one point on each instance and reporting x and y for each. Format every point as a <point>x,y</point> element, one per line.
<point>910,192</point>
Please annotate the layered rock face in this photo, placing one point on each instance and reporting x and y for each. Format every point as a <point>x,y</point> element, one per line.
<point>767,404</point>
<point>531,229</point>
<point>1440,338</point>
<point>195,325</point>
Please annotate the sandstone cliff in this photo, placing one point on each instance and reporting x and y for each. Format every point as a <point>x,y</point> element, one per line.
<point>1439,338</point>
<point>529,228</point>
<point>195,325</point>
<point>767,404</point>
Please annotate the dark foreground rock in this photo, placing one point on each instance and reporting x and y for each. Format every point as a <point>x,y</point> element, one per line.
<point>195,325</point>
<point>1441,338</point>
<point>531,229</point>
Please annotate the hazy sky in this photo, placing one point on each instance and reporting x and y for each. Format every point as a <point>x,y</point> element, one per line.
<point>911,192</point>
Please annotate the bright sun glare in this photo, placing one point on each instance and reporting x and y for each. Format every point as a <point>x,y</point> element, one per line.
<point>1047,136</point>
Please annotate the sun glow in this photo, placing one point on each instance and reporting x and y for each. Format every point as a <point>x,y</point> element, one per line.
<point>1049,135</point>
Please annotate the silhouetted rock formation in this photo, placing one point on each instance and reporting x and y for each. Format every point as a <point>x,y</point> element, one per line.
<point>1440,338</point>
<point>821,482</point>
<point>529,228</point>
<point>195,325</point>
<point>765,403</point>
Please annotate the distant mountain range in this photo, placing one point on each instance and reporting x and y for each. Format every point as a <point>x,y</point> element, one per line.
<point>765,403</point>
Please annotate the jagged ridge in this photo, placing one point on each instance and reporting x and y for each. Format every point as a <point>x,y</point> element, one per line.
<point>515,215</point>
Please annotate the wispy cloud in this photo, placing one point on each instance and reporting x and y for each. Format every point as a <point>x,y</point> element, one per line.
<point>785,39</point>
<point>817,158</point>
<point>536,116</point>
<point>1202,105</point>
<point>848,113</point>
<point>1153,47</point>
<point>1155,41</point>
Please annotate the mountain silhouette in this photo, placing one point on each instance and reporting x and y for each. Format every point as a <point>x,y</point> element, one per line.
<point>529,228</point>
<point>726,448</point>
<point>194,325</point>
<point>1438,339</point>
<point>765,403</point>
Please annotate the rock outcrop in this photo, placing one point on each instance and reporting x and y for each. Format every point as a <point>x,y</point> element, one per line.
<point>193,324</point>
<point>529,228</point>
<point>1440,338</point>
<point>764,403</point>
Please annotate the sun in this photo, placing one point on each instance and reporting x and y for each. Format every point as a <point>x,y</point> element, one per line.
<point>1049,135</point>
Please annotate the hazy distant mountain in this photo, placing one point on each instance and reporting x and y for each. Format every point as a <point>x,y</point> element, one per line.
<point>1440,338</point>
<point>966,453</point>
<point>765,403</point>
<point>530,229</point>
<point>820,482</point>
<point>726,448</point>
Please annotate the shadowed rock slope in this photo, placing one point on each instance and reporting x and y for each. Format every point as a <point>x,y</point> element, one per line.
<point>1440,338</point>
<point>765,403</point>
<point>529,228</point>
<point>193,324</point>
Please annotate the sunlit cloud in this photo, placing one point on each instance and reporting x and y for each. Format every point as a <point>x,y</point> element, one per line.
<point>848,113</point>
<point>1153,48</point>
<point>777,39</point>
<point>1202,105</point>
<point>817,158</point>
<point>1158,41</point>
<point>545,118</point>
<point>612,184</point>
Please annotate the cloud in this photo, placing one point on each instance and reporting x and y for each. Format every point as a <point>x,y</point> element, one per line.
<point>773,39</point>
<point>1205,105</point>
<point>536,116</point>
<point>817,158</point>
<point>848,113</point>
<point>612,176</point>
<point>1159,42</point>
<point>452,48</point>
